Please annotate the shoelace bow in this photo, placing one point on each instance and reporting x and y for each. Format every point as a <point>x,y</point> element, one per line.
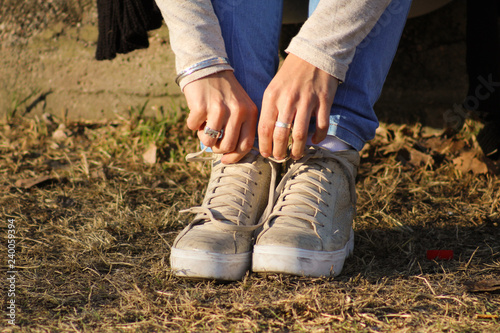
<point>297,191</point>
<point>216,197</point>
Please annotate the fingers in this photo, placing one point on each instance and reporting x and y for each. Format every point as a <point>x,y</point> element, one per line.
<point>276,119</point>
<point>281,134</point>
<point>274,128</point>
<point>210,130</point>
<point>247,133</point>
<point>300,130</point>
<point>219,103</point>
<point>297,92</point>
<point>240,128</point>
<point>243,143</point>
<point>244,146</point>
<point>277,116</point>
<point>322,123</point>
<point>267,120</point>
<point>197,119</point>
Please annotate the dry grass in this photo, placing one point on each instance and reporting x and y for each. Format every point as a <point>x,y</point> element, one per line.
<point>94,239</point>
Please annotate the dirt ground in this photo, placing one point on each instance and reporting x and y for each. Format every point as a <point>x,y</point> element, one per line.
<point>58,60</point>
<point>92,185</point>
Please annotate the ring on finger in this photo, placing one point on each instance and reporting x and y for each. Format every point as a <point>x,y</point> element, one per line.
<point>282,125</point>
<point>213,133</point>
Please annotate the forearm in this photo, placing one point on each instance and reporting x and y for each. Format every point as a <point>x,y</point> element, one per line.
<point>195,36</point>
<point>328,39</point>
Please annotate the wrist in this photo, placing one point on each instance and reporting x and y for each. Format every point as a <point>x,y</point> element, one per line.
<point>201,74</point>
<point>216,62</point>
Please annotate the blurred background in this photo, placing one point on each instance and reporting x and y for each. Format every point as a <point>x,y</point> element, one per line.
<point>47,64</point>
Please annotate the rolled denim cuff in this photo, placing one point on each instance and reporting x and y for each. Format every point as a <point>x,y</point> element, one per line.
<point>201,65</point>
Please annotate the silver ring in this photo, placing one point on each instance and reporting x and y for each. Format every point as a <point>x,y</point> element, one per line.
<point>282,125</point>
<point>213,133</point>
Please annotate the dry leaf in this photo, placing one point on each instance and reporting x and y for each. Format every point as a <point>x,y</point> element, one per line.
<point>436,144</point>
<point>395,146</point>
<point>483,285</point>
<point>444,145</point>
<point>49,119</point>
<point>27,183</point>
<point>60,133</point>
<point>149,156</point>
<point>99,173</point>
<point>414,157</point>
<point>431,132</point>
<point>400,139</point>
<point>456,146</point>
<point>468,162</point>
<point>383,134</point>
<point>420,159</point>
<point>479,167</point>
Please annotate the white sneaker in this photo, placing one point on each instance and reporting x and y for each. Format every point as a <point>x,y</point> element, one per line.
<point>217,244</point>
<point>309,231</point>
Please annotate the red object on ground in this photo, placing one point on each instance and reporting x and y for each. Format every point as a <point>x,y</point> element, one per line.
<point>440,254</point>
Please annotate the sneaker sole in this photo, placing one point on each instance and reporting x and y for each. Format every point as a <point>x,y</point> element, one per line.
<point>209,265</point>
<point>288,260</point>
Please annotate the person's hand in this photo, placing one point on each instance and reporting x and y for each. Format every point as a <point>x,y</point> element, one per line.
<point>298,91</point>
<point>219,102</point>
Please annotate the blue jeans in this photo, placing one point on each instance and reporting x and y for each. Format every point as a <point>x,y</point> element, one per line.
<point>251,29</point>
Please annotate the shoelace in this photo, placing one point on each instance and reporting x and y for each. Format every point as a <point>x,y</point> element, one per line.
<point>216,200</point>
<point>235,222</point>
<point>301,194</point>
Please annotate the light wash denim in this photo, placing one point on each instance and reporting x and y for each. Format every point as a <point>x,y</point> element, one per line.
<point>251,28</point>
